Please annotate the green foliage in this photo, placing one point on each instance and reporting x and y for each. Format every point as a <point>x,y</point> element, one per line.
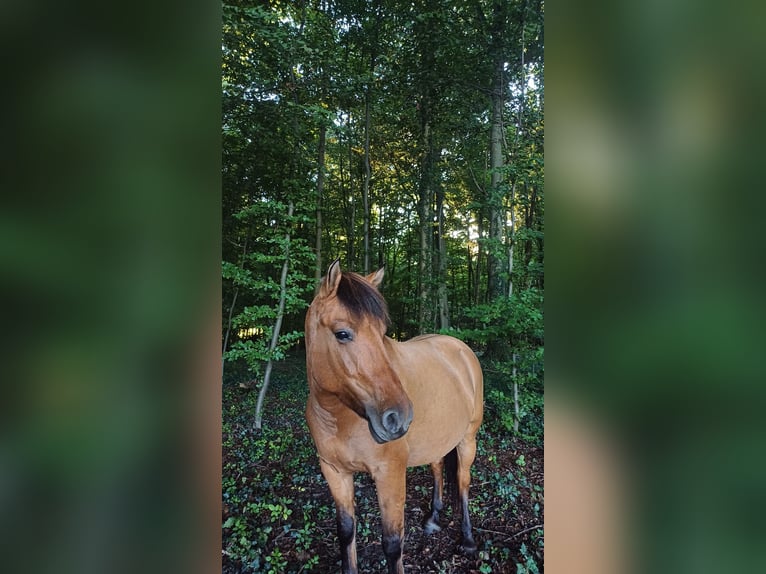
<point>529,566</point>
<point>253,276</point>
<point>291,70</point>
<point>518,321</point>
<point>262,511</point>
<point>501,407</point>
<point>259,319</point>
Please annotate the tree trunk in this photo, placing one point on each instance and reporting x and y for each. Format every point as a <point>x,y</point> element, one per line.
<point>496,257</point>
<point>231,308</point>
<point>345,192</point>
<point>519,132</point>
<point>320,193</point>
<point>425,311</point>
<point>497,213</point>
<point>511,240</point>
<point>529,222</point>
<point>382,221</point>
<point>423,279</point>
<point>516,409</point>
<point>228,331</point>
<point>407,290</point>
<point>477,271</point>
<point>444,322</point>
<point>470,275</point>
<point>277,324</point>
<point>366,185</point>
<point>428,93</point>
<point>351,229</point>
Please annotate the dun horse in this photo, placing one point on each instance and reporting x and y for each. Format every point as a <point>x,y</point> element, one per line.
<point>379,406</point>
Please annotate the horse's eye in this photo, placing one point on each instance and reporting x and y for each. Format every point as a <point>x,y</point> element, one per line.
<point>343,336</point>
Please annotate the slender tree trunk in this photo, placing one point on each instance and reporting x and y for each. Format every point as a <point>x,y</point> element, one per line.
<point>444,320</point>
<point>426,225</point>
<point>407,287</point>
<point>382,221</point>
<point>470,273</point>
<point>345,189</point>
<point>423,279</point>
<point>392,277</point>
<point>228,331</point>
<point>428,88</point>
<point>351,241</point>
<point>534,246</point>
<point>351,230</point>
<point>320,193</point>
<point>511,240</point>
<point>516,409</point>
<point>497,215</point>
<point>477,272</point>
<point>277,323</point>
<point>529,222</point>
<point>519,131</point>
<point>366,185</point>
<point>231,308</point>
<point>497,287</point>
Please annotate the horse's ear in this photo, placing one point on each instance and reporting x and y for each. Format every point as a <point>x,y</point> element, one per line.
<point>376,278</point>
<point>330,283</point>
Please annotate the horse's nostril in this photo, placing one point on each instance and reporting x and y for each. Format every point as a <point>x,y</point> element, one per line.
<point>391,421</point>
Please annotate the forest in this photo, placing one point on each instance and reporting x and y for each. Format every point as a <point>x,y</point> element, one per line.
<point>395,135</point>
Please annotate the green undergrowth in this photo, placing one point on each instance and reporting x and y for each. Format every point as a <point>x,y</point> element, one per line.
<point>279,517</point>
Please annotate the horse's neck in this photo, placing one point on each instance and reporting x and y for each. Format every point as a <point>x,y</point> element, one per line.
<point>324,409</point>
<point>326,404</point>
<point>392,347</point>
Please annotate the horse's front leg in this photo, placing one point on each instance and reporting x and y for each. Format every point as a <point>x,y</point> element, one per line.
<point>342,489</point>
<point>391,486</point>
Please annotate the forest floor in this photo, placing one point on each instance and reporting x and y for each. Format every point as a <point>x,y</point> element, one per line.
<point>278,515</point>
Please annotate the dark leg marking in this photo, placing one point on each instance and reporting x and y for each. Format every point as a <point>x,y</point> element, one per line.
<point>346,532</point>
<point>432,522</point>
<point>468,545</point>
<point>466,451</point>
<point>392,548</point>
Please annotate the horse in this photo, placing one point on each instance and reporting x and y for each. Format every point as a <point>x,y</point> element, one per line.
<point>379,406</point>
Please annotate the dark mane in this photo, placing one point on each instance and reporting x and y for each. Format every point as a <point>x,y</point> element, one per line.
<point>361,298</point>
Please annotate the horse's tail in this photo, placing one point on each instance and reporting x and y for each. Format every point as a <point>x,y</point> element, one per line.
<point>450,477</point>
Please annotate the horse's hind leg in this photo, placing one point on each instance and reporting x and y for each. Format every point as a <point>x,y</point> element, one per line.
<point>466,453</point>
<point>432,522</point>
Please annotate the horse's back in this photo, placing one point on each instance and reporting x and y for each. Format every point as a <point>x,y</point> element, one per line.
<point>443,379</point>
<point>439,353</point>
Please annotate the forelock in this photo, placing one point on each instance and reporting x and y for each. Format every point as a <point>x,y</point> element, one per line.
<point>361,298</point>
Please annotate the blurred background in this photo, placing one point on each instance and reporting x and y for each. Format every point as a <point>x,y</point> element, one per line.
<point>110,267</point>
<point>655,268</point>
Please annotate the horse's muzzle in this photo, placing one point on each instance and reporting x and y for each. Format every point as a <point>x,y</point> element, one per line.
<point>392,424</point>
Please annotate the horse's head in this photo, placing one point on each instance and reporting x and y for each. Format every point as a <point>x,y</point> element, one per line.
<point>347,353</point>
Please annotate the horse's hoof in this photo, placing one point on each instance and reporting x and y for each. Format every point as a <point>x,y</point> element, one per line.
<point>467,548</point>
<point>431,527</point>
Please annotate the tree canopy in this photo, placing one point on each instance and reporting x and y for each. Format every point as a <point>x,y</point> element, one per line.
<point>400,135</point>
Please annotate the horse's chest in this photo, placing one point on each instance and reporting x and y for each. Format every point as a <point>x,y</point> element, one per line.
<point>351,449</point>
